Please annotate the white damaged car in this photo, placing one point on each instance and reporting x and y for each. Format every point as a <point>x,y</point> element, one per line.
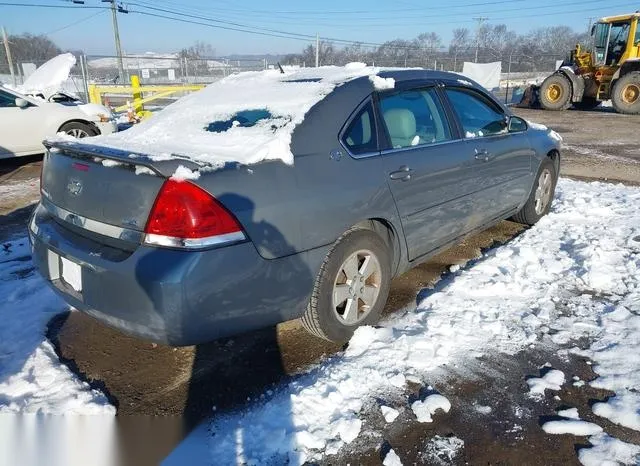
<point>39,109</point>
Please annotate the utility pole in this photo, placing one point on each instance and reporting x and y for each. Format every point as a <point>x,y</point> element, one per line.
<point>317,50</point>
<point>480,20</point>
<point>116,33</point>
<point>7,49</point>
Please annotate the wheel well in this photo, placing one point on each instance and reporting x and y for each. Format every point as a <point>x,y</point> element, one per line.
<point>84,122</point>
<point>554,155</point>
<point>387,232</point>
<point>629,66</point>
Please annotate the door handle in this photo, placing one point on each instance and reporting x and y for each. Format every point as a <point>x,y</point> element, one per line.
<point>402,174</point>
<point>483,155</point>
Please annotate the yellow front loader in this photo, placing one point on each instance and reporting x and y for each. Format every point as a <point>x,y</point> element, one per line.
<point>610,71</point>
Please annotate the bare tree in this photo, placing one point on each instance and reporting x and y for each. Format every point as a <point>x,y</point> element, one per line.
<point>30,48</point>
<point>460,43</point>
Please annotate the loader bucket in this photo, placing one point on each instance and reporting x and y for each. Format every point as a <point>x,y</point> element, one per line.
<point>530,97</point>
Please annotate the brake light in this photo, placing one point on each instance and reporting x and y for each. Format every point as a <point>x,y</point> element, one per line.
<point>185,215</point>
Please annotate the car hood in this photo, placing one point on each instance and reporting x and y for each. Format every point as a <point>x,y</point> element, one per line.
<point>49,77</point>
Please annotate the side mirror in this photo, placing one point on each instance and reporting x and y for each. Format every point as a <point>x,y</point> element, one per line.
<point>21,103</point>
<point>517,125</point>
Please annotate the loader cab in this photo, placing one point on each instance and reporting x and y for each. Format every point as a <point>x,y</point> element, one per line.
<point>613,40</point>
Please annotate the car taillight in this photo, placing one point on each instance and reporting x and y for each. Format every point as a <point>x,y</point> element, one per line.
<point>186,216</point>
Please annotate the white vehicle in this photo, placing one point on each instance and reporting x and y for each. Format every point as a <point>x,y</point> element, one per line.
<point>26,121</point>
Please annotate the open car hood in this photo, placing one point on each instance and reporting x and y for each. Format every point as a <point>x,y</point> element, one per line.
<point>48,78</point>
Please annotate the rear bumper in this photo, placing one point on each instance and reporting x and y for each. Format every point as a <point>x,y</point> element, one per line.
<point>172,296</point>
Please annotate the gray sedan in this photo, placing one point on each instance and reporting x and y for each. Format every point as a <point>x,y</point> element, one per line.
<point>383,177</point>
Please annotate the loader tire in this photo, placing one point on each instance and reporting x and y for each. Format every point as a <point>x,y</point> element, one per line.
<point>555,92</point>
<point>626,94</point>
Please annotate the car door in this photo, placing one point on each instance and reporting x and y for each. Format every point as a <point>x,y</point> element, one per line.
<point>427,170</point>
<point>503,170</point>
<point>21,129</point>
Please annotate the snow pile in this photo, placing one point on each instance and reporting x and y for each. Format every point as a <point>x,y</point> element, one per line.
<point>32,378</point>
<point>425,409</point>
<point>183,173</point>
<point>566,278</point>
<point>48,78</point>
<point>617,352</point>
<point>392,459</point>
<point>609,451</point>
<point>571,413</point>
<point>552,380</point>
<point>382,84</point>
<point>571,426</point>
<point>389,413</point>
<point>483,409</point>
<point>538,126</point>
<point>181,128</point>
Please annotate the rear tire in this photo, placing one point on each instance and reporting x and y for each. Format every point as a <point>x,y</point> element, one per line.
<point>626,94</point>
<point>555,92</point>
<point>541,197</point>
<point>351,288</point>
<point>78,130</point>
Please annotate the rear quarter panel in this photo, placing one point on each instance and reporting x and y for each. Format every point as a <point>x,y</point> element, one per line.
<point>286,209</point>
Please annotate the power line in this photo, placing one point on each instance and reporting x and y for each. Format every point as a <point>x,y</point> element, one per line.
<point>87,18</point>
<point>44,5</point>
<point>230,23</point>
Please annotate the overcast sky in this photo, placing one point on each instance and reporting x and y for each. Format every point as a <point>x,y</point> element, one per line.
<point>89,26</point>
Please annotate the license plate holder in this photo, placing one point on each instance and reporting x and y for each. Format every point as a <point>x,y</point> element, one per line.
<point>71,274</point>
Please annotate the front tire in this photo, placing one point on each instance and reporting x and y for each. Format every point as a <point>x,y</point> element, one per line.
<point>541,197</point>
<point>555,92</point>
<point>78,130</point>
<point>626,94</point>
<point>351,288</point>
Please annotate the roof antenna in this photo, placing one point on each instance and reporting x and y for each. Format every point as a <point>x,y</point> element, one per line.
<point>280,68</point>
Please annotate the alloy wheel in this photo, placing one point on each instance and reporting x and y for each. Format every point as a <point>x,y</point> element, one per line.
<point>356,287</point>
<point>78,133</point>
<point>543,191</point>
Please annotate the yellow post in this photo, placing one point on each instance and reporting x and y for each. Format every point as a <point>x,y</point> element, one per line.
<point>137,94</point>
<point>94,94</point>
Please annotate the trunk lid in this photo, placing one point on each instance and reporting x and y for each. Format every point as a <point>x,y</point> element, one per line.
<point>102,191</point>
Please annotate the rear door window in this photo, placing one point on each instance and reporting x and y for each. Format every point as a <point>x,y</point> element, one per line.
<point>360,135</point>
<point>478,115</point>
<point>414,118</point>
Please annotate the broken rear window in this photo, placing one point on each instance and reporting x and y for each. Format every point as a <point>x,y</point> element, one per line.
<point>244,119</point>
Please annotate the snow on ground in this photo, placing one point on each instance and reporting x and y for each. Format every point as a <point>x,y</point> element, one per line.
<point>392,459</point>
<point>571,413</point>
<point>552,380</point>
<point>573,275</point>
<point>181,128</point>
<point>11,191</point>
<point>389,413</point>
<point>32,378</point>
<point>571,426</point>
<point>609,451</point>
<point>441,450</point>
<point>424,410</point>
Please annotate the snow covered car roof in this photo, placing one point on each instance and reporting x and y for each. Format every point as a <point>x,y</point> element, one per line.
<point>246,118</point>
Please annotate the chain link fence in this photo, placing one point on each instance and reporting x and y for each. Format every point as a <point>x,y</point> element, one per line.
<point>518,70</point>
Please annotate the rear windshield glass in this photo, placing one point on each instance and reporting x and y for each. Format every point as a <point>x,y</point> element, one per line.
<point>244,119</point>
